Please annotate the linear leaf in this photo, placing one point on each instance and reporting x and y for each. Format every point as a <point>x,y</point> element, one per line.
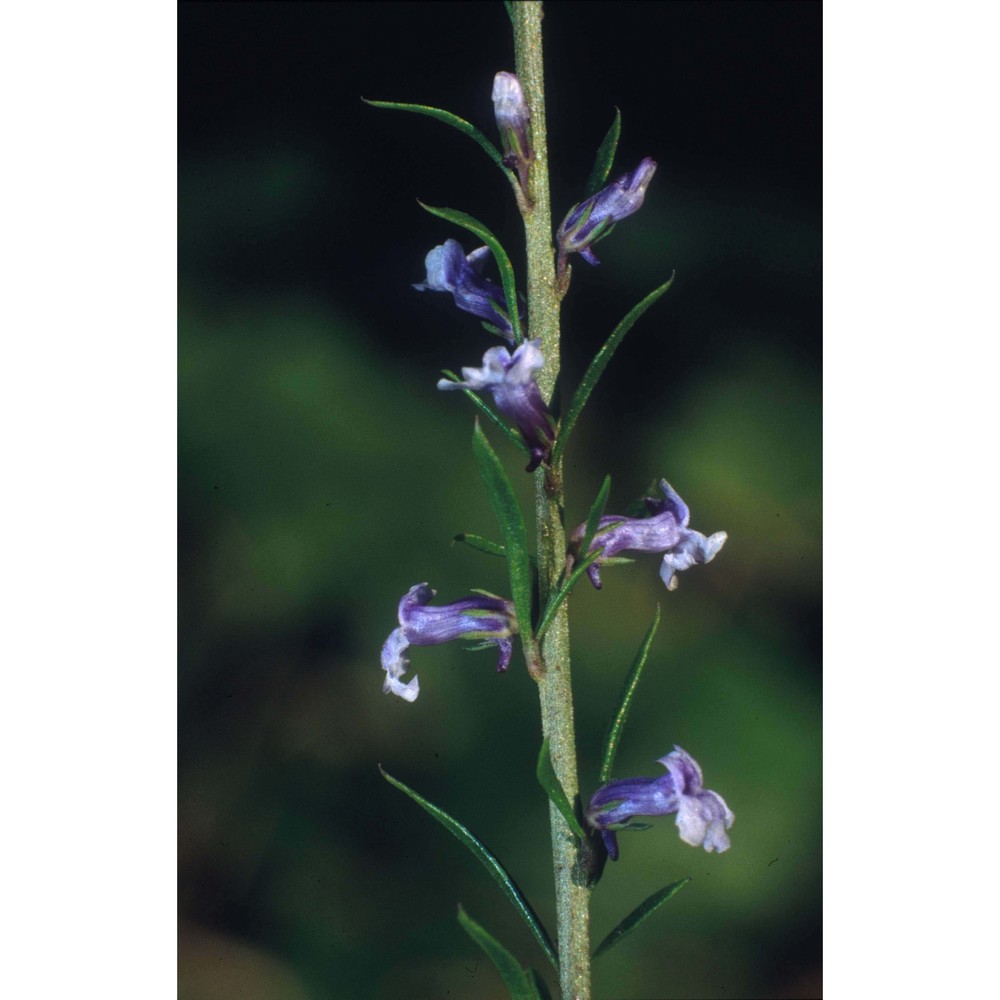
<point>515,537</point>
<point>509,4</point>
<point>482,544</point>
<point>564,590</point>
<point>645,909</point>
<point>553,788</point>
<point>466,128</point>
<point>509,432</point>
<point>540,987</point>
<point>595,515</point>
<point>605,157</point>
<point>597,366</point>
<point>504,265</point>
<point>487,860</point>
<point>613,736</point>
<point>517,980</point>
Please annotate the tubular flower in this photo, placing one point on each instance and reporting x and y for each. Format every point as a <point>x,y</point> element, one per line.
<point>511,381</point>
<point>595,217</point>
<point>450,270</point>
<point>702,815</point>
<point>665,530</point>
<point>482,617</point>
<point>513,117</point>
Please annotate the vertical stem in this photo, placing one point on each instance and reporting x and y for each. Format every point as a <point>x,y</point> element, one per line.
<point>572,895</point>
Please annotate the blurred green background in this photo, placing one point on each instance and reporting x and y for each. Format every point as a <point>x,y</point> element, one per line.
<point>321,475</point>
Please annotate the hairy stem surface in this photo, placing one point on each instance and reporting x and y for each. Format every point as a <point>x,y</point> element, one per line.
<point>572,895</point>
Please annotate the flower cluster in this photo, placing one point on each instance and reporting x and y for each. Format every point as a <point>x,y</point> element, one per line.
<point>482,617</point>
<point>664,530</point>
<point>508,374</point>
<point>702,815</point>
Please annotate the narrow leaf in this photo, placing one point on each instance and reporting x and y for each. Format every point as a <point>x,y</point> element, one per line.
<point>617,723</point>
<point>466,128</point>
<point>605,157</point>
<point>515,537</point>
<point>509,4</point>
<point>540,986</point>
<point>553,788</point>
<point>564,590</point>
<point>487,860</point>
<point>595,515</point>
<point>499,254</point>
<point>482,544</point>
<point>515,978</point>
<point>639,914</point>
<point>597,366</point>
<point>509,432</point>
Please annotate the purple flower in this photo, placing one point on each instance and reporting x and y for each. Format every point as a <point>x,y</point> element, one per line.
<point>665,530</point>
<point>450,270</point>
<point>595,217</point>
<point>513,116</point>
<point>511,381</point>
<point>483,617</point>
<point>702,815</point>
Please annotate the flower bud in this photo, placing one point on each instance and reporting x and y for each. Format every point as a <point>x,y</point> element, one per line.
<point>513,118</point>
<point>595,217</point>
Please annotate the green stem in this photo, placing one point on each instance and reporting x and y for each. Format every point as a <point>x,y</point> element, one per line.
<point>572,895</point>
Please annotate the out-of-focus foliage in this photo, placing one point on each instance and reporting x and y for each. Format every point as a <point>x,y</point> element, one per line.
<point>322,474</point>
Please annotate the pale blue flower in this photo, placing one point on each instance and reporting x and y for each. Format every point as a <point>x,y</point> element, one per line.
<point>665,530</point>
<point>702,815</point>
<point>510,379</point>
<point>481,617</point>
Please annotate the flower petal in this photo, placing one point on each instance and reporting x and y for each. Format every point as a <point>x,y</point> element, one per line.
<point>693,548</point>
<point>395,663</point>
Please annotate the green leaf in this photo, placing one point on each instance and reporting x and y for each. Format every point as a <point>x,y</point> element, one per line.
<point>488,861</point>
<point>482,544</point>
<point>495,330</point>
<point>466,128</point>
<point>597,366</point>
<point>638,915</point>
<point>509,4</point>
<point>564,591</point>
<point>605,157</point>
<point>540,987</point>
<point>617,723</point>
<point>499,254</point>
<point>509,432</point>
<point>515,537</point>
<point>595,515</point>
<point>517,980</point>
<point>550,782</point>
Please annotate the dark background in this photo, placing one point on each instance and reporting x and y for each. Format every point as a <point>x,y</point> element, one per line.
<point>321,475</point>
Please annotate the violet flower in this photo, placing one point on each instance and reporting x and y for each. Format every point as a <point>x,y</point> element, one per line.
<point>511,381</point>
<point>513,117</point>
<point>595,217</point>
<point>702,815</point>
<point>665,530</point>
<point>450,270</point>
<point>482,617</point>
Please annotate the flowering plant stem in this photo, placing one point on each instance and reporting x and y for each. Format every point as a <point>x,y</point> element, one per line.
<point>572,894</point>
